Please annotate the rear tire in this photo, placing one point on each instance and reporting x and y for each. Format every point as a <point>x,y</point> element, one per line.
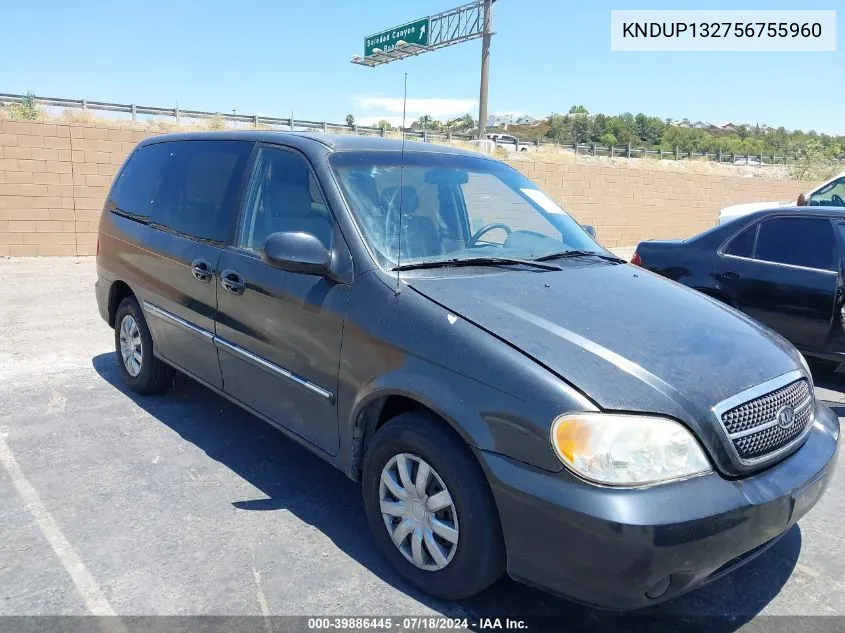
<point>141,370</point>
<point>460,545</point>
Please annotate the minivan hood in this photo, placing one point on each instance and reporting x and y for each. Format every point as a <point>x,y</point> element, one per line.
<point>630,340</point>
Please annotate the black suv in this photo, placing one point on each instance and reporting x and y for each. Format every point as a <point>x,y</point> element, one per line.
<point>510,394</point>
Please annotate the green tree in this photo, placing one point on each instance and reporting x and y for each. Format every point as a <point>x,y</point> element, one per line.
<point>578,109</point>
<point>350,120</point>
<point>384,124</point>
<point>607,140</point>
<point>557,127</point>
<point>814,161</point>
<point>579,127</point>
<point>598,127</point>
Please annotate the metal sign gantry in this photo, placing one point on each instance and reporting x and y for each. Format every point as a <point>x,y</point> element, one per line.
<point>461,24</point>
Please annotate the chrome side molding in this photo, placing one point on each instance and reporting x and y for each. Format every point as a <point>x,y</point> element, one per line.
<point>240,352</point>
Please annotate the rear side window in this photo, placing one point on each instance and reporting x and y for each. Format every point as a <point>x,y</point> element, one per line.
<point>189,187</point>
<point>135,190</point>
<point>797,241</point>
<point>743,244</point>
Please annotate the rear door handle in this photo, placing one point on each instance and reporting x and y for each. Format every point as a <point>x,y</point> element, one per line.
<point>731,275</point>
<point>232,282</point>
<point>202,270</point>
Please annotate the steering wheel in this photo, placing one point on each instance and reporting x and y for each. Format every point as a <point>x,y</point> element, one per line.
<point>837,200</point>
<point>473,241</point>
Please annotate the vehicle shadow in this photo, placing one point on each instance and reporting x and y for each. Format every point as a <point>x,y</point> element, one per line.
<point>295,480</point>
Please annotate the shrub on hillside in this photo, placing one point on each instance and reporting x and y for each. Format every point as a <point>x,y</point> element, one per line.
<point>26,108</point>
<point>216,122</point>
<point>813,161</point>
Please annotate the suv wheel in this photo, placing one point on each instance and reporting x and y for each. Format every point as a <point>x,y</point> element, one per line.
<point>430,509</point>
<point>141,370</point>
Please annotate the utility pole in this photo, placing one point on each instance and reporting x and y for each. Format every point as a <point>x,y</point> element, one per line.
<point>485,69</point>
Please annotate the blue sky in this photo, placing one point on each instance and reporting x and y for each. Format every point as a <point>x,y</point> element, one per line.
<point>275,56</point>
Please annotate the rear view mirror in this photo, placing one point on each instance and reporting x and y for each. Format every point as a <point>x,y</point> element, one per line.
<point>297,253</point>
<point>590,229</point>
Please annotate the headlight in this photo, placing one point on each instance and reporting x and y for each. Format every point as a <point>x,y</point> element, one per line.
<point>626,450</point>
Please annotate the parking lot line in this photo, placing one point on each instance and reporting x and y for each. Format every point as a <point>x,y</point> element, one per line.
<point>85,583</point>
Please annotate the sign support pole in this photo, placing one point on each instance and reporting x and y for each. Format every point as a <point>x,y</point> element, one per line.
<point>485,70</point>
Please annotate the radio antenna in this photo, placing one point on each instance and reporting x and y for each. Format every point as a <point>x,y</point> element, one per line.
<point>401,183</point>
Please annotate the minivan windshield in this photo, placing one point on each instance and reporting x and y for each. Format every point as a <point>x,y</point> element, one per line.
<point>433,207</point>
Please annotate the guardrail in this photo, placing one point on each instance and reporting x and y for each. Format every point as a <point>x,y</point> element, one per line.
<point>290,123</point>
<point>181,115</point>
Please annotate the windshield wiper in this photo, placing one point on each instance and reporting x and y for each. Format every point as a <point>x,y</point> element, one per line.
<point>579,253</point>
<point>475,261</point>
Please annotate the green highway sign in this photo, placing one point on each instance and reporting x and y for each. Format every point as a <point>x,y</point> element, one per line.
<point>415,32</point>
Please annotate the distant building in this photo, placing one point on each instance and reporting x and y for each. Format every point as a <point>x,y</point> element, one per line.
<point>510,118</point>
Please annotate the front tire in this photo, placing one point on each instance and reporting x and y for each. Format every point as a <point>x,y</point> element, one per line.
<point>430,509</point>
<point>141,370</point>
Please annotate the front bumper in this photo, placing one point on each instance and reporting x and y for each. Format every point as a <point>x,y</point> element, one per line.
<point>628,548</point>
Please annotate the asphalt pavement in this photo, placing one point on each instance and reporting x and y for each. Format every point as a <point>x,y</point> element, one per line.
<point>182,504</point>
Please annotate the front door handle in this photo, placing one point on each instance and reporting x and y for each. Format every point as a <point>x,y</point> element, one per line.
<point>232,282</point>
<point>202,270</point>
<point>731,275</point>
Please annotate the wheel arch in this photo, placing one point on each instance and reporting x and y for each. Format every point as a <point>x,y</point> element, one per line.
<point>118,291</point>
<point>378,409</point>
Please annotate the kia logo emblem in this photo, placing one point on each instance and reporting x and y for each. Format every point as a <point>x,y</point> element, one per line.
<point>786,417</point>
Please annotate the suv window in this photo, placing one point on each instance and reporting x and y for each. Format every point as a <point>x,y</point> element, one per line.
<point>189,187</point>
<point>135,190</point>
<point>283,196</point>
<point>743,244</point>
<point>797,241</point>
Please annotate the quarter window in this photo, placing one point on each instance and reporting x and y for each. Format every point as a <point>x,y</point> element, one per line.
<point>743,244</point>
<point>797,241</point>
<point>283,197</point>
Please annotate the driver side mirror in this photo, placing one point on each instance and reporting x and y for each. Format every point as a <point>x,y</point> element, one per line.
<point>297,253</point>
<point>590,229</point>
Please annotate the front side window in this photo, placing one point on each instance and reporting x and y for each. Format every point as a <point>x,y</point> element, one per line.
<point>283,197</point>
<point>433,207</point>
<point>807,242</point>
<point>831,195</point>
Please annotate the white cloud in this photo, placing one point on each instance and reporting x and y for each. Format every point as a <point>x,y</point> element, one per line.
<point>416,107</point>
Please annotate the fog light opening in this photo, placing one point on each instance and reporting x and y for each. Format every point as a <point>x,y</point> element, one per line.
<point>659,588</point>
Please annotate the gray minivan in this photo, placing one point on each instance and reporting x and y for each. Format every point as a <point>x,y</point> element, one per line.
<point>511,396</point>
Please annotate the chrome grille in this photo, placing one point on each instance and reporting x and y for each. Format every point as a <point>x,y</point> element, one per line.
<point>763,409</point>
<point>770,439</point>
<point>751,422</point>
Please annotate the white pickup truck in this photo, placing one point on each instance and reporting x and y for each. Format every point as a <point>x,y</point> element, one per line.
<point>830,193</point>
<point>510,143</point>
